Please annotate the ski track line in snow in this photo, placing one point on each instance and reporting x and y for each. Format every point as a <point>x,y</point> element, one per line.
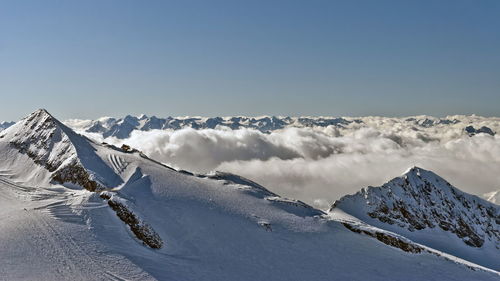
<point>33,193</point>
<point>59,249</point>
<point>76,251</point>
<point>117,162</point>
<point>44,240</point>
<point>16,186</point>
<point>62,211</point>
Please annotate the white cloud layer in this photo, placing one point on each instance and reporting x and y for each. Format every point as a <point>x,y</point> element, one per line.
<point>319,165</point>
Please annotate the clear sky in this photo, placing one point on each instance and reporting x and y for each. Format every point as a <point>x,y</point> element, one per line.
<point>87,58</point>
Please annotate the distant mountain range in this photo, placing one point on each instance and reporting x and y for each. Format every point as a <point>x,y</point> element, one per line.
<point>122,127</point>
<point>5,125</point>
<point>74,209</point>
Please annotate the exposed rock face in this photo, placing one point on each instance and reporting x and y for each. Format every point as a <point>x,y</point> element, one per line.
<point>76,174</point>
<point>388,239</point>
<point>419,200</point>
<point>141,230</point>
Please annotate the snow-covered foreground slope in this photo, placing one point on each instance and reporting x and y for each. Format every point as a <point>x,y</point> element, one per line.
<point>424,207</point>
<point>43,238</point>
<point>198,227</point>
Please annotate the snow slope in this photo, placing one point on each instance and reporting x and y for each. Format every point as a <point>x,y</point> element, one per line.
<point>424,207</point>
<point>41,238</point>
<point>211,227</point>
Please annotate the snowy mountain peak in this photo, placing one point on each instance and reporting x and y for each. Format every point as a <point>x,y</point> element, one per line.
<point>415,171</point>
<point>67,156</point>
<point>422,205</point>
<point>416,176</point>
<point>39,124</point>
<point>40,111</point>
<point>40,115</point>
<point>43,138</point>
<point>427,209</point>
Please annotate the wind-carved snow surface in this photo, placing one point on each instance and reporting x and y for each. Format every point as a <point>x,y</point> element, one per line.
<point>315,159</point>
<point>218,226</point>
<point>429,210</point>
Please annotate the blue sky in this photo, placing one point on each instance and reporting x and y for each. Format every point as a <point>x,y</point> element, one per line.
<point>92,58</point>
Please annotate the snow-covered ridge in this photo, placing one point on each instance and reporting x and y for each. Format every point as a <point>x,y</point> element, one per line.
<point>420,202</point>
<point>122,127</point>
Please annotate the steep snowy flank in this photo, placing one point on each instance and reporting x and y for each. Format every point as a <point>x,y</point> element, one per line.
<point>429,210</point>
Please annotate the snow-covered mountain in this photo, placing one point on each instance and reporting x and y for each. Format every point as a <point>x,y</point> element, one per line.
<point>122,127</point>
<point>424,207</point>
<point>56,149</point>
<point>74,209</point>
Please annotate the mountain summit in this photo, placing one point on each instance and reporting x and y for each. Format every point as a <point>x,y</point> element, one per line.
<point>422,205</point>
<point>69,157</point>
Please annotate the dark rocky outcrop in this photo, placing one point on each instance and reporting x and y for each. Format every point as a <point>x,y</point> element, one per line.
<point>76,174</point>
<point>141,230</point>
<point>388,239</point>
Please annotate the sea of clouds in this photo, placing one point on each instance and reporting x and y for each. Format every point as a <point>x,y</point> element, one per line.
<point>320,164</point>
